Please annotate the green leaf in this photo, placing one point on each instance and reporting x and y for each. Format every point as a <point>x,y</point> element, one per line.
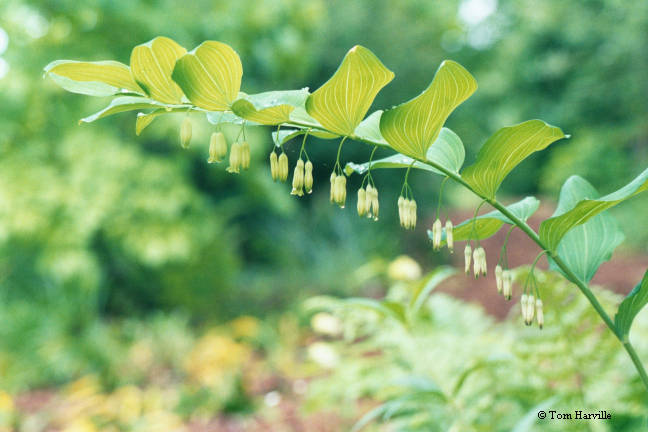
<point>488,224</point>
<point>270,108</point>
<point>447,151</point>
<point>103,78</point>
<point>152,64</point>
<point>285,135</point>
<point>412,127</point>
<point>587,246</point>
<point>130,103</point>
<point>342,102</point>
<point>630,307</point>
<point>210,75</point>
<point>505,150</point>
<point>423,289</point>
<point>369,129</point>
<point>553,229</point>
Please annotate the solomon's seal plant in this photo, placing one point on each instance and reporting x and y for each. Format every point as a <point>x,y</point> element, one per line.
<point>165,78</point>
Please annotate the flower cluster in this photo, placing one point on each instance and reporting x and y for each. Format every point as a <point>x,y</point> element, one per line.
<point>437,235</point>
<point>530,307</point>
<point>407,212</point>
<point>302,178</point>
<point>368,204</point>
<point>279,166</point>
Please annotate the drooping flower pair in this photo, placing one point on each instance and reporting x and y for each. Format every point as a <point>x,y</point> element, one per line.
<point>368,204</point>
<point>338,189</point>
<point>407,212</point>
<point>302,178</point>
<point>437,235</point>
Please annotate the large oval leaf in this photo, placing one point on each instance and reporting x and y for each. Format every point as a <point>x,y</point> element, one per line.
<point>630,307</point>
<point>505,150</point>
<point>447,151</point>
<point>412,127</point>
<point>489,224</point>
<point>210,75</point>
<point>554,229</point>
<point>270,108</point>
<point>587,246</point>
<point>103,78</point>
<point>342,102</point>
<point>152,64</point>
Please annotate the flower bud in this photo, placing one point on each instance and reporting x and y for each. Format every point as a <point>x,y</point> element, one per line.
<point>449,235</point>
<point>340,190</point>
<point>476,262</point>
<point>483,266</point>
<point>217,147</point>
<point>507,284</point>
<point>362,201</point>
<point>467,255</point>
<point>539,313</point>
<point>375,205</point>
<point>308,177</point>
<point>274,166</point>
<point>530,310</point>
<point>282,168</point>
<point>235,158</point>
<point>401,211</point>
<point>437,231</point>
<point>498,278</point>
<point>185,133</point>
<point>412,214</point>
<point>245,155</point>
<point>298,179</point>
<point>367,204</point>
<point>333,177</point>
<point>524,301</point>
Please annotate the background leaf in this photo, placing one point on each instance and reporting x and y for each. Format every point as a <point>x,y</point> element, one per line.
<point>103,78</point>
<point>488,224</point>
<point>505,150</point>
<point>553,229</point>
<point>630,307</point>
<point>270,108</point>
<point>369,129</point>
<point>342,102</point>
<point>587,246</point>
<point>447,151</point>
<point>412,127</point>
<point>210,75</point>
<point>152,64</point>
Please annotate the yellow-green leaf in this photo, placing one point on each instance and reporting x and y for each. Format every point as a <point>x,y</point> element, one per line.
<point>270,108</point>
<point>210,75</point>
<point>412,127</point>
<point>342,102</point>
<point>103,78</point>
<point>145,119</point>
<point>505,150</point>
<point>152,64</point>
<point>554,229</point>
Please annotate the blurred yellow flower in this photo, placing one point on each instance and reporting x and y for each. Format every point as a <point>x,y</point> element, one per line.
<point>326,324</point>
<point>245,327</point>
<point>404,268</point>
<point>214,357</point>
<point>80,425</point>
<point>6,402</point>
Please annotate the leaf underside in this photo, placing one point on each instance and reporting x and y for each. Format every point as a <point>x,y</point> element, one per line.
<point>270,108</point>
<point>630,307</point>
<point>585,247</point>
<point>554,229</point>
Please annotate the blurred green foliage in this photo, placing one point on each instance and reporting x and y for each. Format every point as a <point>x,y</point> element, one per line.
<point>452,367</point>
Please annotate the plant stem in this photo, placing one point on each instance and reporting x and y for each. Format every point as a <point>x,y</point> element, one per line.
<point>582,286</point>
